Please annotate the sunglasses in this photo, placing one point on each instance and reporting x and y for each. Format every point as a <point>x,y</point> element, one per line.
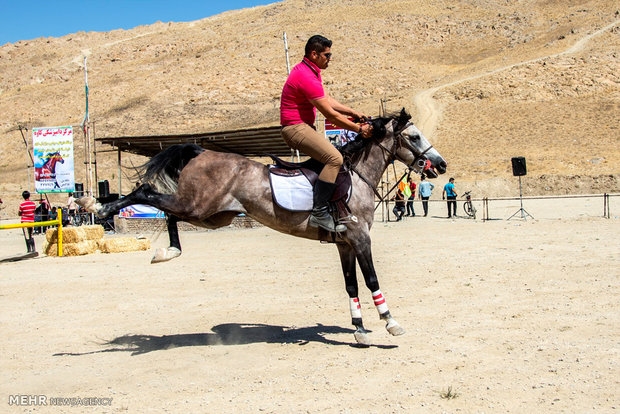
<point>328,56</point>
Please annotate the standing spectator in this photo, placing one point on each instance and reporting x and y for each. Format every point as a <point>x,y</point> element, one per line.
<point>71,207</point>
<point>411,198</point>
<point>53,214</point>
<point>424,192</point>
<point>399,206</point>
<point>448,190</point>
<point>26,211</point>
<point>45,213</point>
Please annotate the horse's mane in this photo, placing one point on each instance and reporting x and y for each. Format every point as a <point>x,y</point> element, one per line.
<point>358,148</point>
<point>162,170</point>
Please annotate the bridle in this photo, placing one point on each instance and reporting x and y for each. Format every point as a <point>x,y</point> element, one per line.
<point>419,164</point>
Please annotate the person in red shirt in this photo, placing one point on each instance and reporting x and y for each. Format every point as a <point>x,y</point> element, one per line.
<point>302,95</point>
<point>410,211</point>
<point>26,211</point>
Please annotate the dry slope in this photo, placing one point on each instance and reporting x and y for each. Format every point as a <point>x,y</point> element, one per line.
<point>554,101</point>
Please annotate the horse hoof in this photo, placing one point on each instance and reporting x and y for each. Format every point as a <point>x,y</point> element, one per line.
<point>164,255</point>
<point>394,328</point>
<point>362,338</point>
<point>89,204</point>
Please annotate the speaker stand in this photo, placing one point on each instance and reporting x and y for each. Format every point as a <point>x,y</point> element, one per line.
<point>524,214</point>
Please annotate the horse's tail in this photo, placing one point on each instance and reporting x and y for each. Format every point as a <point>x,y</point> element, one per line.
<point>163,170</point>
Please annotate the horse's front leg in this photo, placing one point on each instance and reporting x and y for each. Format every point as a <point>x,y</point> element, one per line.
<point>174,250</point>
<point>347,259</point>
<point>364,258</point>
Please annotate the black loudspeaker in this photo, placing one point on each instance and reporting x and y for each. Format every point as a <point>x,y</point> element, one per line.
<point>104,188</point>
<point>79,190</point>
<point>518,166</point>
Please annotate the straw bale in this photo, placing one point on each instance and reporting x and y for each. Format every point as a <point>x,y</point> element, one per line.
<point>94,232</point>
<point>69,235</point>
<point>72,249</point>
<point>118,244</point>
<point>144,244</point>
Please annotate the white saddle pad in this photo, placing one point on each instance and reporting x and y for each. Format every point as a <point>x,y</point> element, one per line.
<point>291,190</point>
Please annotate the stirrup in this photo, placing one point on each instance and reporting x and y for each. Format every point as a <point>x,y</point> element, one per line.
<point>348,219</point>
<point>321,218</point>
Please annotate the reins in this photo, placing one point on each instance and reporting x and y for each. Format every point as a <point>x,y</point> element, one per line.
<point>419,162</point>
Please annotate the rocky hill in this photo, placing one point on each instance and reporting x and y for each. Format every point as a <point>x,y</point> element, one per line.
<point>485,80</point>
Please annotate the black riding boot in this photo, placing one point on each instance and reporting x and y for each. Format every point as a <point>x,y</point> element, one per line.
<point>320,217</point>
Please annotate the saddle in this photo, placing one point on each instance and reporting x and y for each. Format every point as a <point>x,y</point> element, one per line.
<point>310,169</point>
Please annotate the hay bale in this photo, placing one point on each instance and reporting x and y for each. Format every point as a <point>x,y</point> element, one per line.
<point>94,232</point>
<point>144,244</point>
<point>72,249</point>
<point>75,234</point>
<point>69,235</point>
<point>118,245</point>
<point>51,235</point>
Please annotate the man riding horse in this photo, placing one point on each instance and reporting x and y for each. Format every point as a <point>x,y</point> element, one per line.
<point>302,95</point>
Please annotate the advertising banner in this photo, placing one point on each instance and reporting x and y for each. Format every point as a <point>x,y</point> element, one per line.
<point>141,211</point>
<point>53,159</point>
<point>338,136</point>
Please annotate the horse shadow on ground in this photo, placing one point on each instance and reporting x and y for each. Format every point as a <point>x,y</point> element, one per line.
<point>227,334</point>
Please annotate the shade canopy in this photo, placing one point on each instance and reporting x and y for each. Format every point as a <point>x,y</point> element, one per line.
<point>255,142</point>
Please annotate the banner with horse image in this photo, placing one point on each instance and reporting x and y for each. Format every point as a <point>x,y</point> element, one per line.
<point>338,136</point>
<point>53,159</point>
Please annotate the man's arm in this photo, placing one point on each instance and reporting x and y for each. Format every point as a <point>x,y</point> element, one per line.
<point>343,109</point>
<point>338,118</point>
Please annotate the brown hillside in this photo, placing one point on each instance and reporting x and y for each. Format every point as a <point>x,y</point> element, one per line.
<point>485,80</point>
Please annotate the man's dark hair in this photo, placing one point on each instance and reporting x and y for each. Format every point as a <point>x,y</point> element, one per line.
<point>26,195</point>
<point>317,43</point>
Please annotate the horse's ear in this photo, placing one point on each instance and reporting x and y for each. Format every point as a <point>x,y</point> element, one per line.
<point>402,120</point>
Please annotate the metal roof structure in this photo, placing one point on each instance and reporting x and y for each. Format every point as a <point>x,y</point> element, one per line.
<point>255,142</point>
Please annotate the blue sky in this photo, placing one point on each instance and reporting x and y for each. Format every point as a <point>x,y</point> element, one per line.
<point>29,19</point>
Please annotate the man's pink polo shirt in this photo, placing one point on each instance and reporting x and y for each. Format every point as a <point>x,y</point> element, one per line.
<point>303,85</point>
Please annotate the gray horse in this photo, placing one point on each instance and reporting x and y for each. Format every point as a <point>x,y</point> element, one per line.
<point>209,189</point>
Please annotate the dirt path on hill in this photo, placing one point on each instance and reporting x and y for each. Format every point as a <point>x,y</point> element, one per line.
<point>430,111</point>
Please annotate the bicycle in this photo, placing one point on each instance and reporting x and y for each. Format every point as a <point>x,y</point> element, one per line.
<point>469,208</point>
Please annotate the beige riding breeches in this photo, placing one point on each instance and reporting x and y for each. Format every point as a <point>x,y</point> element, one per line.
<point>306,139</point>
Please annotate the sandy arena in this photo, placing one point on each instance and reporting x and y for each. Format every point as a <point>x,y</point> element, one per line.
<point>503,316</point>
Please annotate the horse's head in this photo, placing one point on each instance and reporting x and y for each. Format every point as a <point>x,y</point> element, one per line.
<point>410,146</point>
<point>55,157</point>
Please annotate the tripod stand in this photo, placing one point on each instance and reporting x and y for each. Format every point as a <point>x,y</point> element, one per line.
<point>524,213</point>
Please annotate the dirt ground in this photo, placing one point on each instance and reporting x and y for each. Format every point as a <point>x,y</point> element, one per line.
<point>504,316</point>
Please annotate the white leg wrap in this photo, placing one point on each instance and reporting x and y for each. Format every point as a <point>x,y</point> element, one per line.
<point>382,307</point>
<point>354,305</point>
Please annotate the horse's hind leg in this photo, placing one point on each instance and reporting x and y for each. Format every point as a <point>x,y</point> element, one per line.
<point>142,195</point>
<point>364,258</point>
<point>174,250</point>
<point>347,259</point>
